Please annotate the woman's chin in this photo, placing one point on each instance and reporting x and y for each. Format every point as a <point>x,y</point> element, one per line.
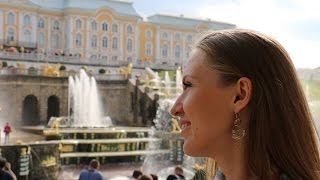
<point>190,149</point>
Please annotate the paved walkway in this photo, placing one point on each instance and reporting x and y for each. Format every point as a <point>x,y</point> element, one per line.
<point>123,171</point>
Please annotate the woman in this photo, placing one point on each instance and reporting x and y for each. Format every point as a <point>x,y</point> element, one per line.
<point>243,107</point>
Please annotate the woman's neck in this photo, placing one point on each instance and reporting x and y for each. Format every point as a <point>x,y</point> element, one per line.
<point>231,162</point>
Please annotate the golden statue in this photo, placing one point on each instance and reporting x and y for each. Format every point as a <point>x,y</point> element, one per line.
<point>51,70</point>
<point>126,70</point>
<point>56,123</point>
<point>175,125</point>
<point>21,66</point>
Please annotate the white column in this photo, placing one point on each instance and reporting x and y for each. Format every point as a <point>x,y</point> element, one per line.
<point>20,24</point>
<point>172,47</point>
<point>157,44</point>
<point>135,48</point>
<point>69,32</point>
<point>49,35</point>
<point>2,36</point>
<point>88,49</point>
<point>66,33</point>
<point>34,28</point>
<point>63,35</point>
<point>121,38</point>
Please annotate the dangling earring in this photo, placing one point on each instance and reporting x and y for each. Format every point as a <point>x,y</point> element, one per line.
<point>237,131</point>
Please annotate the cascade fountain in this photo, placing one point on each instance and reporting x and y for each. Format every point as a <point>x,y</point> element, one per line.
<point>164,128</point>
<point>84,103</point>
<point>178,79</point>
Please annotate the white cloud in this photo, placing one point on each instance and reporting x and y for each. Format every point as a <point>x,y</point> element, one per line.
<point>304,53</point>
<point>274,19</point>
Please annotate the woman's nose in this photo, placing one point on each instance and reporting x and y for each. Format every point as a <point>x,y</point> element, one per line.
<point>176,109</point>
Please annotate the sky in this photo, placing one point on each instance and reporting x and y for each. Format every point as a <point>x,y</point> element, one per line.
<point>294,23</point>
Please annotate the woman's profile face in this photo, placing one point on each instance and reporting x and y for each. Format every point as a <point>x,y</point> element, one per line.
<point>204,108</point>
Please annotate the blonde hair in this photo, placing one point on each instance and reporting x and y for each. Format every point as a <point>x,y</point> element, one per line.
<point>281,134</point>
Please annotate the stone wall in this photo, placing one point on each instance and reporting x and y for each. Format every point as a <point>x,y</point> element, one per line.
<point>116,96</point>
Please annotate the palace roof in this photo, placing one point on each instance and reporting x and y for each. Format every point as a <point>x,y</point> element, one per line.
<point>119,6</point>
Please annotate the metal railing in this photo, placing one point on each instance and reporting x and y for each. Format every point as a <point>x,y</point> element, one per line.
<point>8,42</point>
<point>43,58</point>
<point>62,74</point>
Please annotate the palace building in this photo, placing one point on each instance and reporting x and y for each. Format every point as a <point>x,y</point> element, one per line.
<point>98,31</point>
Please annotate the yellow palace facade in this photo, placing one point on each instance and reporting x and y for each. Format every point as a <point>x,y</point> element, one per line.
<point>99,30</point>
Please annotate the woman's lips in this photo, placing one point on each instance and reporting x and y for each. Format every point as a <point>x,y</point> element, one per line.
<point>185,126</point>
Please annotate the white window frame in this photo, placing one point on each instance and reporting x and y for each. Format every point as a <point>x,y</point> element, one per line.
<point>114,43</point>
<point>40,38</point>
<point>164,51</point>
<point>11,18</point>
<point>78,40</point>
<point>105,42</point>
<point>26,20</point>
<point>78,24</point>
<point>94,41</point>
<point>129,45</point>
<point>114,27</point>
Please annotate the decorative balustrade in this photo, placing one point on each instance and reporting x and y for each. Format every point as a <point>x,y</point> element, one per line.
<point>14,43</point>
<point>74,60</point>
<point>36,72</point>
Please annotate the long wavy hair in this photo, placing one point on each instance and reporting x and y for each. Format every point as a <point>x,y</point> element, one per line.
<point>281,134</point>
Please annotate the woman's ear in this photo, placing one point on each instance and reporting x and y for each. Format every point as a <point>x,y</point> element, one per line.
<point>243,94</point>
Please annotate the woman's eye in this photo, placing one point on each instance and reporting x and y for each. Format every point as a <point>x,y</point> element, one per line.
<point>186,85</point>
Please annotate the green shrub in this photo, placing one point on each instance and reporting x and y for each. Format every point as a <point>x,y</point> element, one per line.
<point>62,68</point>
<point>102,71</point>
<point>4,64</point>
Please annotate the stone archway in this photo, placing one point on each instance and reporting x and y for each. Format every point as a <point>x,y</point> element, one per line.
<point>30,113</point>
<point>53,107</point>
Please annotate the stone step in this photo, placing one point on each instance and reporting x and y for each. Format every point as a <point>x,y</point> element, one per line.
<point>109,141</point>
<point>112,154</point>
<point>102,130</point>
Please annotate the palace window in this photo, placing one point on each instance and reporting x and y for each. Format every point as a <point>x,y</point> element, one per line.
<point>78,40</point>
<point>105,42</point>
<point>129,45</point>
<point>165,35</point>
<point>165,51</point>
<point>78,24</point>
<point>10,35</point>
<point>188,51</point>
<point>114,43</point>
<point>27,36</point>
<point>148,49</point>
<point>94,41</point>
<point>177,37</point>
<point>26,20</point>
<point>114,58</point>
<point>189,38</point>
<point>114,28</point>
<point>56,25</point>
<point>40,38</point>
<point>94,26</point>
<point>104,27</point>
<point>11,18</point>
<point>148,34</point>
<point>56,41</point>
<point>177,52</point>
<point>40,23</point>
<point>129,29</point>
